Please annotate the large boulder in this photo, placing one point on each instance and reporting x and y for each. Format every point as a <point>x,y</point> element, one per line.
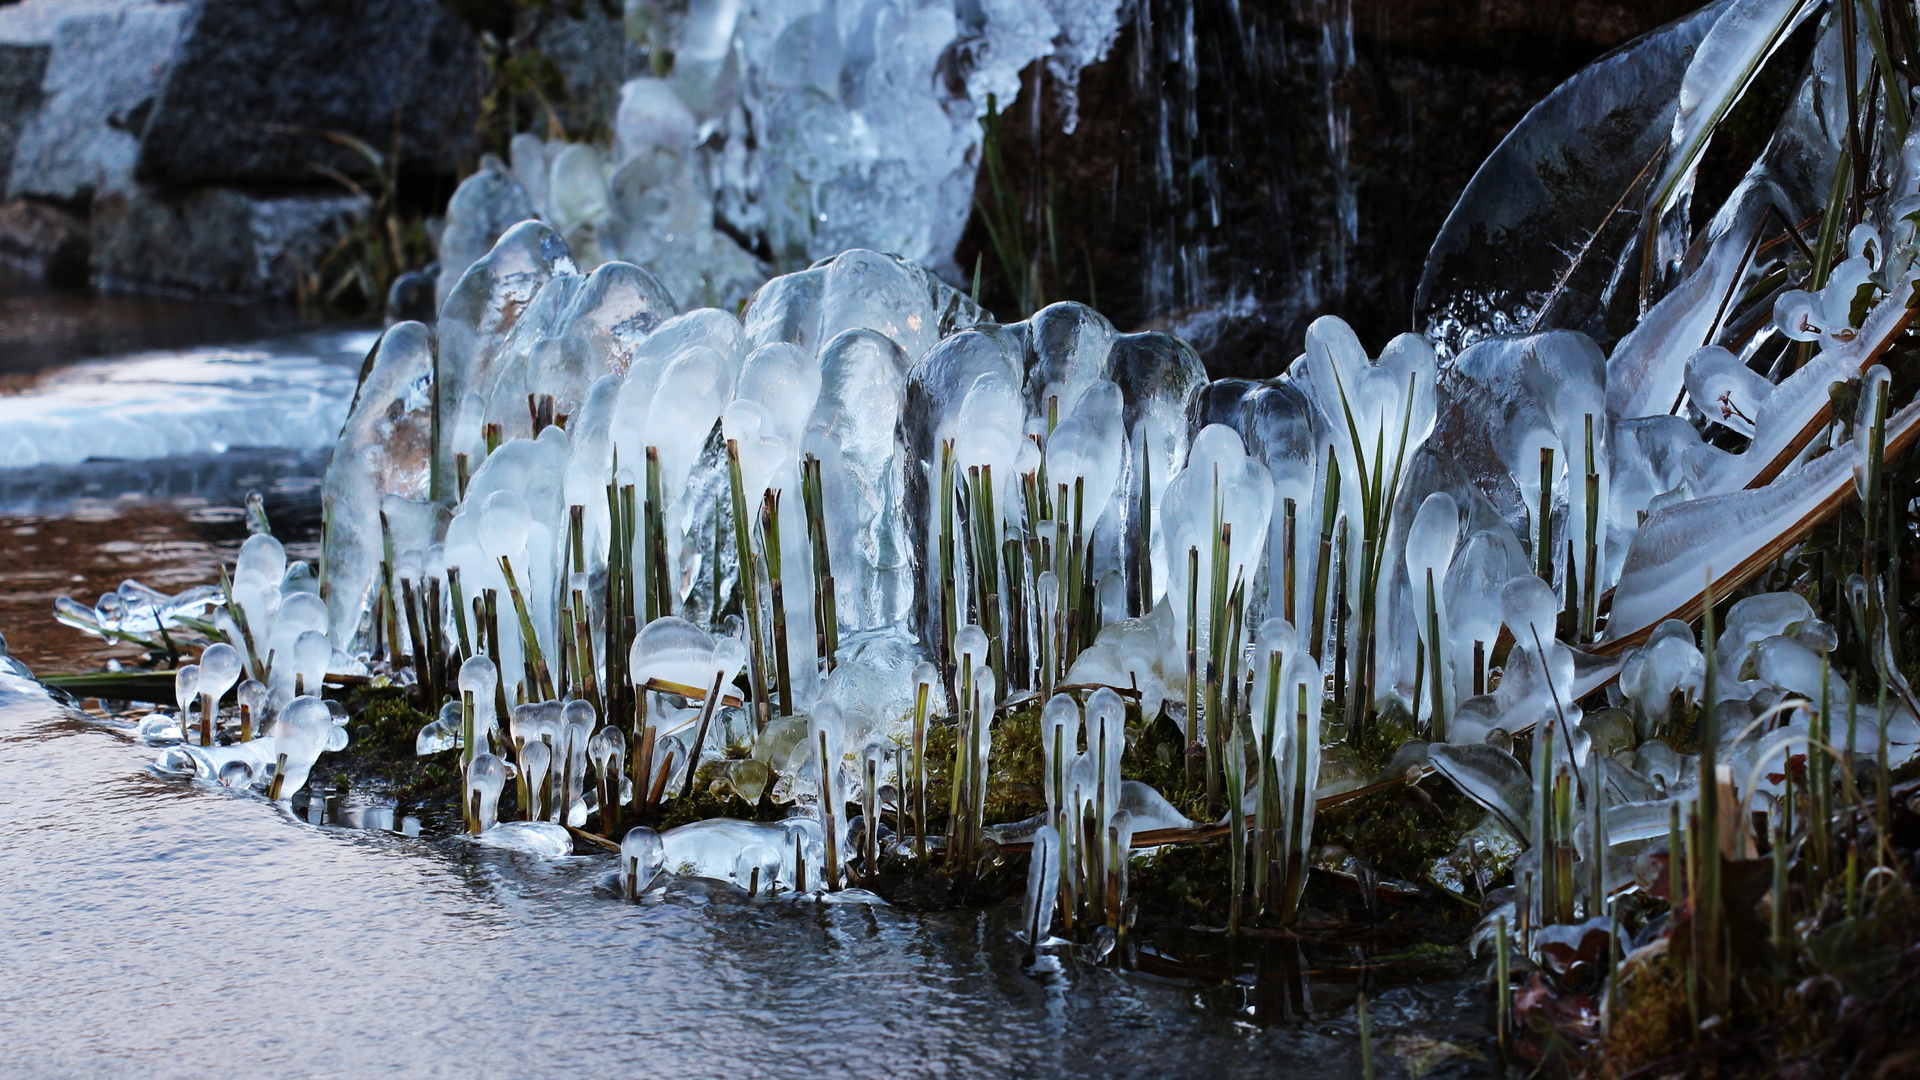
<point>95,94</point>
<point>216,241</point>
<point>78,80</point>
<point>46,239</point>
<point>24,49</point>
<point>163,121</point>
<point>261,85</point>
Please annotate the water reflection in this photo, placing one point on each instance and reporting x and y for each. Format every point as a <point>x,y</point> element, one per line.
<point>42,327</point>
<point>188,906</point>
<point>92,545</point>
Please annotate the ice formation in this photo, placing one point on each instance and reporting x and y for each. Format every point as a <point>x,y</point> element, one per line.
<point>761,553</point>
<point>1051,503</point>
<point>784,132</point>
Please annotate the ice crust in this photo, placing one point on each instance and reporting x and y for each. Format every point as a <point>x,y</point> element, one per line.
<point>870,365</point>
<point>289,394</point>
<point>1450,478</point>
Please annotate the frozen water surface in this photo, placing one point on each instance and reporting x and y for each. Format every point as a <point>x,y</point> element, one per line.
<point>289,393</point>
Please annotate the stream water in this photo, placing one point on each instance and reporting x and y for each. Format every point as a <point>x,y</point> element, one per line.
<point>153,927</point>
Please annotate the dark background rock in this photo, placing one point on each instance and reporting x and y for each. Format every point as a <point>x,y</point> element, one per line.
<point>1202,192</point>
<point>46,239</point>
<point>554,67</point>
<point>591,56</point>
<point>215,241</point>
<point>22,66</point>
<point>260,81</point>
<point>105,62</point>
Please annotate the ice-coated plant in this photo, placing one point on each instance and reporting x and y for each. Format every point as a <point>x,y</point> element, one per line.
<point>861,545</point>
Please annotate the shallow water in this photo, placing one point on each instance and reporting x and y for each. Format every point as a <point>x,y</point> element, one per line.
<point>42,326</point>
<point>288,393</point>
<point>88,545</point>
<point>157,928</point>
<point>143,462</point>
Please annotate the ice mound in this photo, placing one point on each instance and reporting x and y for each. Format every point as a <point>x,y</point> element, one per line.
<point>540,838</point>
<point>798,130</point>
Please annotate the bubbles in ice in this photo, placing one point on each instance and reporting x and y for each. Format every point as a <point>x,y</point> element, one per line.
<point>1491,777</point>
<point>1059,743</point>
<point>1088,447</point>
<point>311,655</point>
<point>236,774</point>
<point>1611,732</point>
<point>757,868</point>
<point>1429,553</point>
<point>219,670</point>
<point>1725,390</point>
<point>641,858</point>
<point>1107,741</point>
<point>713,849</point>
<point>1750,621</point>
<point>478,677</point>
<point>970,644</point>
<point>504,525</point>
<point>826,739</point>
<point>1667,664</point>
<point>539,838</point>
<point>1658,762</point>
<point>606,750</point>
<point>160,729</point>
<point>671,649</point>
<point>1875,386</point>
<point>536,775</point>
<point>1529,608</point>
<point>1148,810</point>
<point>1218,474</point>
<point>1478,571</point>
<point>439,735</point>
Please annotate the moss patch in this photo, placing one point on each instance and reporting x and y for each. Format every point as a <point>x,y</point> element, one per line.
<point>384,724</point>
<point>1400,831</point>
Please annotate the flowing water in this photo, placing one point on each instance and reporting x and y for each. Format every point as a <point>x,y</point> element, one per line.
<point>154,927</point>
<point>158,928</point>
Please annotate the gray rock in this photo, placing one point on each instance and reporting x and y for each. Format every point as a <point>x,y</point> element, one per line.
<point>23,64</point>
<point>45,239</point>
<point>75,129</point>
<point>215,241</point>
<point>259,82</point>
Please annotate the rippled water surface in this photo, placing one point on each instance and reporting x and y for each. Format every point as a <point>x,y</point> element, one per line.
<point>158,928</point>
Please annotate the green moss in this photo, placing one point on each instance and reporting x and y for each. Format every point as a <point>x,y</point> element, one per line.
<point>384,725</point>
<point>1379,739</point>
<point>704,804</point>
<point>1156,755</point>
<point>1649,1019</point>
<point>1182,885</point>
<point>1400,831</point>
<point>941,739</point>
<point>1015,782</point>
